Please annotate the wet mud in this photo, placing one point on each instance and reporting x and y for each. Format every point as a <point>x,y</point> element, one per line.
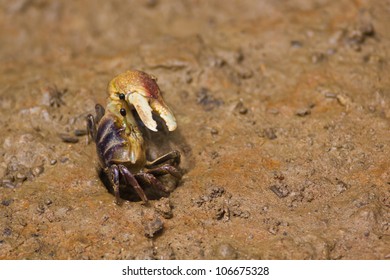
<point>283,114</point>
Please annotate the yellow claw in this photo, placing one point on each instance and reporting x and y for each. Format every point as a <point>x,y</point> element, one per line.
<point>141,91</point>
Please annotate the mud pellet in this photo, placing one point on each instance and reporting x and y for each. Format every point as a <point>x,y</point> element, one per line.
<point>22,222</point>
<point>64,159</point>
<point>214,154</point>
<point>184,95</point>
<point>331,51</point>
<point>303,112</point>
<point>330,95</point>
<point>153,227</point>
<point>105,218</point>
<point>40,208</point>
<point>269,133</point>
<point>9,185</point>
<point>188,79</point>
<point>164,208</point>
<point>238,56</point>
<point>6,202</point>
<point>296,44</point>
<point>273,230</point>
<point>243,110</point>
<point>226,251</point>
<point>273,111</point>
<point>68,138</point>
<point>21,177</point>
<point>151,3</point>
<point>48,201</point>
<point>245,73</point>
<point>280,193</point>
<point>7,232</point>
<point>205,99</point>
<point>245,214</point>
<point>80,132</point>
<point>264,209</point>
<point>343,100</point>
<point>38,170</point>
<point>214,131</point>
<point>7,180</point>
<point>317,58</point>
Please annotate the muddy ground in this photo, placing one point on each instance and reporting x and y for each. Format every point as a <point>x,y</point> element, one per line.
<point>283,125</point>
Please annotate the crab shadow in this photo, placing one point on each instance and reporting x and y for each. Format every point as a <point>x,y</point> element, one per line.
<point>164,141</point>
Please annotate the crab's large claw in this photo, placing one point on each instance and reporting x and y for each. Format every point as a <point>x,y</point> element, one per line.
<point>145,105</point>
<point>142,92</point>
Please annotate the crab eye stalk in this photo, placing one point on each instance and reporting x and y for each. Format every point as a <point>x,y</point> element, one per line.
<point>123,112</point>
<point>122,96</point>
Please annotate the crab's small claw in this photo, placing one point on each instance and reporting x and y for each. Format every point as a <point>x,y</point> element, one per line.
<point>142,92</point>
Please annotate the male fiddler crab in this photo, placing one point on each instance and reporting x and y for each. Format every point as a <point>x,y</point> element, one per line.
<point>119,141</point>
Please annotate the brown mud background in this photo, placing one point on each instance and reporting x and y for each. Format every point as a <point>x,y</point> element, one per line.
<point>283,125</point>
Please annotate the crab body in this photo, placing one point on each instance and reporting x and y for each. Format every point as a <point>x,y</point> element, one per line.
<point>120,145</point>
<point>116,145</point>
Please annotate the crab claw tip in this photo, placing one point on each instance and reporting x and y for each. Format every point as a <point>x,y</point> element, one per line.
<point>165,113</point>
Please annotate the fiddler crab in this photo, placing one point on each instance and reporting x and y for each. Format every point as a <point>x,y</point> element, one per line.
<point>120,145</point>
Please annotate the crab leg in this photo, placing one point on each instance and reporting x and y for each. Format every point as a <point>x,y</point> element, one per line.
<point>114,178</point>
<point>173,155</point>
<point>130,179</point>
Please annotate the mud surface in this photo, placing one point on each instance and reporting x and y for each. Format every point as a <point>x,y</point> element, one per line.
<point>283,125</point>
